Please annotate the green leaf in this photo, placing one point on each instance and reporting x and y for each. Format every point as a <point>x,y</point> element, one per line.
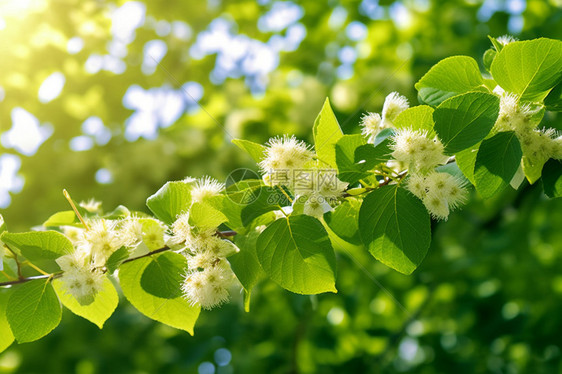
<point>496,163</point>
<point>39,247</point>
<point>326,133</point>
<point>532,168</point>
<point>417,118</point>
<point>245,263</point>
<point>466,160</point>
<point>205,216</point>
<point>97,312</point>
<point>529,68</point>
<point>172,199</point>
<point>164,275</point>
<point>367,156</point>
<point>448,78</point>
<point>348,170</point>
<point>33,310</point>
<point>464,120</point>
<point>176,312</point>
<point>395,227</point>
<point>297,254</point>
<point>6,336</point>
<point>255,150</point>
<point>497,45</point>
<point>268,199</point>
<point>116,259</point>
<point>552,178</point>
<point>553,101</point>
<point>343,220</point>
<point>118,213</point>
<point>64,218</point>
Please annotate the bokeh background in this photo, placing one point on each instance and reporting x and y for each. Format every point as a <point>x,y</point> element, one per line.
<point>110,99</point>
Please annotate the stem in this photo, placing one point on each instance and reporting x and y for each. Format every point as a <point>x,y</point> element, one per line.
<point>67,195</point>
<point>160,250</point>
<point>285,193</point>
<point>28,279</point>
<point>35,267</point>
<point>227,233</point>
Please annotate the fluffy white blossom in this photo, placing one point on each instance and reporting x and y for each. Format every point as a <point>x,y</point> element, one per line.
<point>316,205</point>
<point>181,229</point>
<point>439,192</point>
<point>394,104</point>
<point>282,156</point>
<point>506,39</point>
<point>417,150</point>
<point>205,188</point>
<point>101,240</point>
<point>149,231</point>
<point>82,280</point>
<point>74,234</point>
<point>371,125</point>
<point>208,287</point>
<point>540,145</point>
<point>91,206</point>
<point>515,116</point>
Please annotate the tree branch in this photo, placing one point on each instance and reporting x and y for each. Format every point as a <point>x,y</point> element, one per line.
<point>22,279</point>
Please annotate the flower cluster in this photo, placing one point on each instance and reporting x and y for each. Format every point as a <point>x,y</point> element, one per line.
<point>439,192</point>
<point>290,163</point>
<point>420,153</point>
<point>538,145</point>
<point>209,276</point>
<point>83,270</point>
<point>373,123</point>
<point>82,279</point>
<point>284,155</point>
<point>417,150</point>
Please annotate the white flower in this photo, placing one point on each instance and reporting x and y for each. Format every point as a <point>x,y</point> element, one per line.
<point>417,150</point>
<point>81,279</point>
<point>74,234</point>
<point>181,229</point>
<point>91,206</point>
<point>282,155</point>
<point>506,39</point>
<point>316,206</point>
<point>131,231</point>
<point>371,125</point>
<point>205,188</point>
<point>440,192</point>
<point>515,116</point>
<point>329,186</point>
<point>209,287</point>
<point>200,260</point>
<point>540,145</point>
<point>101,240</point>
<point>436,205</point>
<point>394,104</point>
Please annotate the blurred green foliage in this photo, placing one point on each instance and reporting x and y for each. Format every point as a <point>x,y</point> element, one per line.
<point>486,298</point>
